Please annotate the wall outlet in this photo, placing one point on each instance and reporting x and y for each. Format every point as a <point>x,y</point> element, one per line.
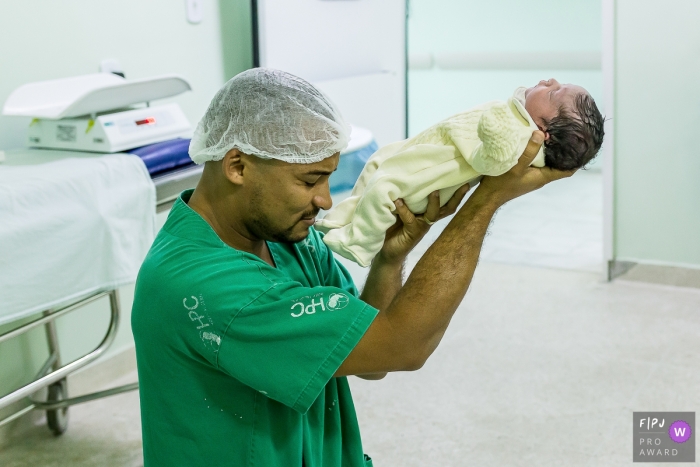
<point>193,8</point>
<point>112,65</point>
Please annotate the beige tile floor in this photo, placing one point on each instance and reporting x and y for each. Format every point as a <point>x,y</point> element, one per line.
<point>102,433</point>
<point>539,367</point>
<point>542,365</point>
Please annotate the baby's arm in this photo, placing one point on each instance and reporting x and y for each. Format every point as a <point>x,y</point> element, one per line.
<point>500,133</point>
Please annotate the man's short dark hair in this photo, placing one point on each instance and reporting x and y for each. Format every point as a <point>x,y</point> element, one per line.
<point>575,136</point>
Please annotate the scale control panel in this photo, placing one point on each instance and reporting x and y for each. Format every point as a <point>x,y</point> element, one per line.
<point>112,132</point>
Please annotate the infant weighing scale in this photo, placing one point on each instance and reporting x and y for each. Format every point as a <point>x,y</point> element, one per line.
<point>88,117</point>
<point>105,113</point>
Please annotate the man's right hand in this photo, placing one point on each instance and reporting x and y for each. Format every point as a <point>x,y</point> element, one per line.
<point>522,178</point>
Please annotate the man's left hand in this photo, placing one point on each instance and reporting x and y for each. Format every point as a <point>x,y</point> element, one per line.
<point>410,229</point>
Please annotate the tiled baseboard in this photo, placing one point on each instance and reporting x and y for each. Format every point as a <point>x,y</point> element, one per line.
<point>664,275</point>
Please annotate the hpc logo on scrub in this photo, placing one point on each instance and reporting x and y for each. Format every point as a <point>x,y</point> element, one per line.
<point>319,302</point>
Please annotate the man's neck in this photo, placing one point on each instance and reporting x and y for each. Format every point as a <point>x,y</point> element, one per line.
<point>218,210</point>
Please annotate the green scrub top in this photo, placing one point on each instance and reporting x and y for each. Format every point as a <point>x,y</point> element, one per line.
<point>236,357</point>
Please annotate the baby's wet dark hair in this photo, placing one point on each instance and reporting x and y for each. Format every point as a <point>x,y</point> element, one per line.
<point>575,136</point>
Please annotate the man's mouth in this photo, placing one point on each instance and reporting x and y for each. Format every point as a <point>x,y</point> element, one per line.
<point>310,218</point>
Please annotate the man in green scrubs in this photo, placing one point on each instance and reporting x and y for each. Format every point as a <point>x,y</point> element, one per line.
<point>246,326</point>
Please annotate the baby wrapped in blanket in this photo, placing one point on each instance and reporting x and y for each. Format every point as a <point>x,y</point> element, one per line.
<point>485,140</point>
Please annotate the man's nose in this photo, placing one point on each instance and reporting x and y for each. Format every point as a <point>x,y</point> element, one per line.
<point>322,199</point>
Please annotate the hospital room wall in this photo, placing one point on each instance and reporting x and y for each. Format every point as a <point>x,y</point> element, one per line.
<point>438,27</point>
<point>70,37</point>
<point>657,116</point>
<point>45,40</point>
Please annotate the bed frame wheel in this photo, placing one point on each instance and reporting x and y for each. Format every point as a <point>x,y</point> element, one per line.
<point>58,418</point>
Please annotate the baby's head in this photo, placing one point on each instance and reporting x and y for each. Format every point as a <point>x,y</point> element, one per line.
<point>570,120</point>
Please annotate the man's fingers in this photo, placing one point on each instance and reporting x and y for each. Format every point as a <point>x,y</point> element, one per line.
<point>533,147</point>
<point>404,213</point>
<point>454,202</point>
<point>559,174</point>
<point>432,213</point>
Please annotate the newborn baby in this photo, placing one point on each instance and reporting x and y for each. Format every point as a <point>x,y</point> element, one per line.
<point>486,140</point>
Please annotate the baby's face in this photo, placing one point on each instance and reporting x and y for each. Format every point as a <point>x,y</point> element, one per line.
<point>543,101</point>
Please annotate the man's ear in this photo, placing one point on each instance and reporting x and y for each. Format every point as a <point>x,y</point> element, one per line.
<point>233,166</point>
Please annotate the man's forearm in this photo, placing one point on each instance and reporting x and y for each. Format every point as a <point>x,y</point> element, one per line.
<point>383,283</point>
<point>424,306</point>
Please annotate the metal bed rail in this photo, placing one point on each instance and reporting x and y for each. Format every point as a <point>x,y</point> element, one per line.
<point>53,374</point>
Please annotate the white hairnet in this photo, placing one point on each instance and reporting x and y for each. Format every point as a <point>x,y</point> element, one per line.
<point>270,114</point>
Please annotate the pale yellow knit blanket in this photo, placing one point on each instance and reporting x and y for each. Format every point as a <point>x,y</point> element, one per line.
<point>485,140</point>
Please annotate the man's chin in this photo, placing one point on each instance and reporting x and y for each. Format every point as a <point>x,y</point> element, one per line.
<point>299,236</point>
<point>293,235</point>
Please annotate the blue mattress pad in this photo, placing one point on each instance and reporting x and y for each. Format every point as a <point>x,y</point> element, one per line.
<point>165,156</point>
<point>174,154</point>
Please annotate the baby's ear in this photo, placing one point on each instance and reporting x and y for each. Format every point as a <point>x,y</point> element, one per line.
<point>546,136</point>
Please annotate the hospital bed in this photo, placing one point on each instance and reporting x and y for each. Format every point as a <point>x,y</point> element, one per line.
<point>170,171</point>
<point>85,133</point>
